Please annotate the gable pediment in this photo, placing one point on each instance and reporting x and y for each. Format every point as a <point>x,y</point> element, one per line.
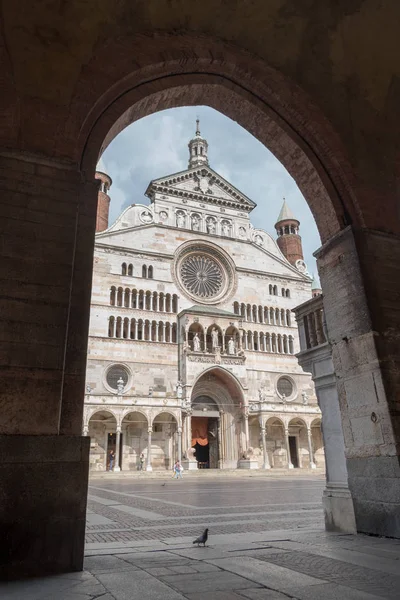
<point>203,184</point>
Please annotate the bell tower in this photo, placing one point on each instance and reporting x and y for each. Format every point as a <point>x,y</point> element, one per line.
<point>103,201</point>
<point>198,148</point>
<point>289,240</point>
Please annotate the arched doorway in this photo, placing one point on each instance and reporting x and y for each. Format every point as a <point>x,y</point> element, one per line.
<point>102,429</point>
<point>216,425</point>
<point>205,418</point>
<point>134,441</point>
<point>164,441</point>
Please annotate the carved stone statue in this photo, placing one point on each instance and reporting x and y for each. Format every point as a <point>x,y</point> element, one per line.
<point>179,389</point>
<point>284,398</point>
<point>120,385</point>
<point>226,230</point>
<point>305,397</point>
<point>196,342</point>
<point>180,219</point>
<point>231,346</point>
<point>214,338</point>
<point>210,226</point>
<point>249,453</point>
<point>195,223</point>
<point>261,394</point>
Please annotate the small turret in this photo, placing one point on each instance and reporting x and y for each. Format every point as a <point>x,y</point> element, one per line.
<point>103,201</point>
<point>316,286</point>
<point>289,240</point>
<point>198,148</point>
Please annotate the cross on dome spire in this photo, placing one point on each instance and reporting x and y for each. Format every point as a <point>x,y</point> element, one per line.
<point>198,148</point>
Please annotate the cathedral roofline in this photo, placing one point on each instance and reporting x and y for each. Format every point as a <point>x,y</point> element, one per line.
<point>166,184</point>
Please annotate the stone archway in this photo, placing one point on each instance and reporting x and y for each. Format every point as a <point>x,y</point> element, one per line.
<point>132,74</point>
<point>102,427</point>
<point>217,396</point>
<point>134,426</point>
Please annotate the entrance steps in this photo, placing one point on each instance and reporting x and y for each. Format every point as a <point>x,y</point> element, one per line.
<point>211,473</point>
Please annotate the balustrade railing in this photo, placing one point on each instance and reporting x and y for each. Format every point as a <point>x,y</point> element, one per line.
<point>311,323</point>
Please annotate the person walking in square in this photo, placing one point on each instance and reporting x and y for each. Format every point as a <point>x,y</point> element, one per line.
<point>141,462</point>
<point>111,458</point>
<point>178,469</point>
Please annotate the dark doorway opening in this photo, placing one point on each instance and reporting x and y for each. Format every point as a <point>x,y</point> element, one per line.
<point>205,441</point>
<point>294,459</point>
<point>112,445</point>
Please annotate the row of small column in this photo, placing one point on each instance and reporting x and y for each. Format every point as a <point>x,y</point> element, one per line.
<point>151,331</point>
<point>263,314</point>
<point>314,328</point>
<point>117,466</point>
<point>143,300</point>
<point>276,343</point>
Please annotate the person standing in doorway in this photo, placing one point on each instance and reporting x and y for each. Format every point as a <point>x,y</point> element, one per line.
<point>111,459</point>
<point>141,462</point>
<point>178,469</point>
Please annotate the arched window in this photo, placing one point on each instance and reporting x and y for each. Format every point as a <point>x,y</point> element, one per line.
<point>285,344</point>
<point>168,303</point>
<point>275,290</point>
<point>249,341</point>
<point>273,337</point>
<point>175,303</point>
<point>144,271</point>
<point>147,305</point>
<point>268,342</point>
<point>243,311</point>
<point>255,341</point>
<point>134,299</point>
<point>287,230</point>
<point>287,293</point>
<point>161,301</point>
<point>147,330</point>
<point>280,349</point>
<point>288,318</point>
<point>125,331</point>
<point>266,315</point>
<point>249,312</point>
<point>112,296</point>
<point>150,272</point>
<point>154,331</point>
<point>291,345</point>
<point>127,297</point>
<point>195,151</point>
<point>174,333</point>
<point>260,314</point>
<point>133,329</point>
<point>140,330</point>
<point>277,320</point>
<point>270,289</point>
<point>254,313</point>
<point>118,328</point>
<point>283,317</point>
<point>201,151</point>
<point>236,308</point>
<point>283,292</point>
<point>130,270</point>
<point>141,299</point>
<point>272,316</point>
<point>119,296</point>
<point>111,327</point>
<point>123,269</point>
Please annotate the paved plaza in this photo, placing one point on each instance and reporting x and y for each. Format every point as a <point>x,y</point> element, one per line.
<point>267,541</point>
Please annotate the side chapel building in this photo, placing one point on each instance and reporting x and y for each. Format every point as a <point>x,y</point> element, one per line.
<point>192,340</point>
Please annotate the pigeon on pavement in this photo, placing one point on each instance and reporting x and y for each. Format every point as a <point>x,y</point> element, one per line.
<point>202,538</point>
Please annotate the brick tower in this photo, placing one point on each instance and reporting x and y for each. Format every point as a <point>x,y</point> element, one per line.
<point>103,202</point>
<point>289,240</point>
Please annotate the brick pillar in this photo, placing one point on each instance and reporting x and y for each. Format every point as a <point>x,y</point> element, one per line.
<point>361,283</point>
<point>103,201</point>
<point>49,217</point>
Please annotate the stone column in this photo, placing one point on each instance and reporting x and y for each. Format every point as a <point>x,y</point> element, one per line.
<point>164,325</point>
<point>204,341</point>
<point>220,461</point>
<point>246,429</point>
<point>180,444</point>
<point>223,341</point>
<point>113,328</point>
<point>117,467</point>
<point>310,448</point>
<point>85,430</point>
<point>289,462</point>
<point>266,463</point>
<point>149,432</point>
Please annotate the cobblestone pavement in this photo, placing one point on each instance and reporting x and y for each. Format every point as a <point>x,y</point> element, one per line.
<point>266,543</point>
<point>129,510</point>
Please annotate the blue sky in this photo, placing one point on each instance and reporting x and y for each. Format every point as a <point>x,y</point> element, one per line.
<point>156,146</point>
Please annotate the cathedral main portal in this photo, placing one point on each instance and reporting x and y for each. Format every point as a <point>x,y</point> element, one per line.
<point>205,441</point>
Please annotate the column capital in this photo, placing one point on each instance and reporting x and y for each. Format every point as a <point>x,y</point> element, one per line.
<point>119,429</point>
<point>179,430</point>
<point>150,430</point>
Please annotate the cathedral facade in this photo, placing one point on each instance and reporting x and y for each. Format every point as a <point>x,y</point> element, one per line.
<point>192,340</point>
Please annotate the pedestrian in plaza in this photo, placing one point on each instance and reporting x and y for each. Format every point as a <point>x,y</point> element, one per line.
<point>178,470</point>
<point>141,462</point>
<point>111,459</point>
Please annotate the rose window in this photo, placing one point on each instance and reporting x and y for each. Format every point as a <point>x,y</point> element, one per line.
<point>202,276</point>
